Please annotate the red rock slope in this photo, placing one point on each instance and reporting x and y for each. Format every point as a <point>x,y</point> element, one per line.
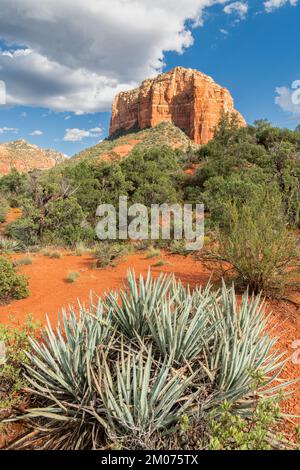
<point>26,157</point>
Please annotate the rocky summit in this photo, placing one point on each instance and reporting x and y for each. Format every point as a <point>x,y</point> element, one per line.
<point>188,98</point>
<point>25,157</point>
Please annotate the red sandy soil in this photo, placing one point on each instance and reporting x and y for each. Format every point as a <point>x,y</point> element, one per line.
<point>192,170</point>
<point>125,149</point>
<point>49,292</point>
<point>121,150</point>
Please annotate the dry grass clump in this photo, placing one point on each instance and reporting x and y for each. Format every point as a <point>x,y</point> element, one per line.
<point>72,277</point>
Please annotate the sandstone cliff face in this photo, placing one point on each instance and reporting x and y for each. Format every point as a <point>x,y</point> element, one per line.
<point>25,157</point>
<point>186,97</point>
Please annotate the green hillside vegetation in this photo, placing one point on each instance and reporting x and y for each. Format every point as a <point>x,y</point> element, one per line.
<point>164,133</point>
<point>256,167</point>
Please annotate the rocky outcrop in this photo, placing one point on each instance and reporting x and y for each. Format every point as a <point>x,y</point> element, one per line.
<point>188,98</point>
<point>25,157</point>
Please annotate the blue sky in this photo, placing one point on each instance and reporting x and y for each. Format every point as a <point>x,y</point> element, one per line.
<point>59,85</point>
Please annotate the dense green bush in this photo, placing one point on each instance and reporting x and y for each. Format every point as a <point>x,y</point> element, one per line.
<point>150,176</point>
<point>231,432</point>
<point>14,186</point>
<point>63,223</point>
<point>128,370</point>
<point>237,188</point>
<point>23,231</point>
<point>12,284</point>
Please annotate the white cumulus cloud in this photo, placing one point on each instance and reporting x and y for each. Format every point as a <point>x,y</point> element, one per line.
<point>77,135</point>
<point>238,8</point>
<point>289,98</point>
<point>3,130</point>
<point>37,133</point>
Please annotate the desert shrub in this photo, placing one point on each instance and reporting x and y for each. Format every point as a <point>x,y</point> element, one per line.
<point>150,176</point>
<point>15,345</point>
<point>152,252</point>
<point>225,430</point>
<point>50,213</point>
<point>255,246</point>
<point>108,253</point>
<point>81,248</point>
<point>4,207</point>
<point>85,176</point>
<point>55,255</point>
<point>12,284</point>
<point>178,247</point>
<point>72,277</point>
<point>129,368</point>
<point>142,245</point>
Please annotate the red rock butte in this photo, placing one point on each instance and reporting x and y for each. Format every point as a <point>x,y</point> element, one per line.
<point>186,97</point>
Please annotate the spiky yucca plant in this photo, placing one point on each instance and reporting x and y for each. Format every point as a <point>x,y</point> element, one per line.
<point>134,306</point>
<point>184,324</point>
<point>61,363</point>
<point>242,356</point>
<point>140,396</point>
<point>129,367</point>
